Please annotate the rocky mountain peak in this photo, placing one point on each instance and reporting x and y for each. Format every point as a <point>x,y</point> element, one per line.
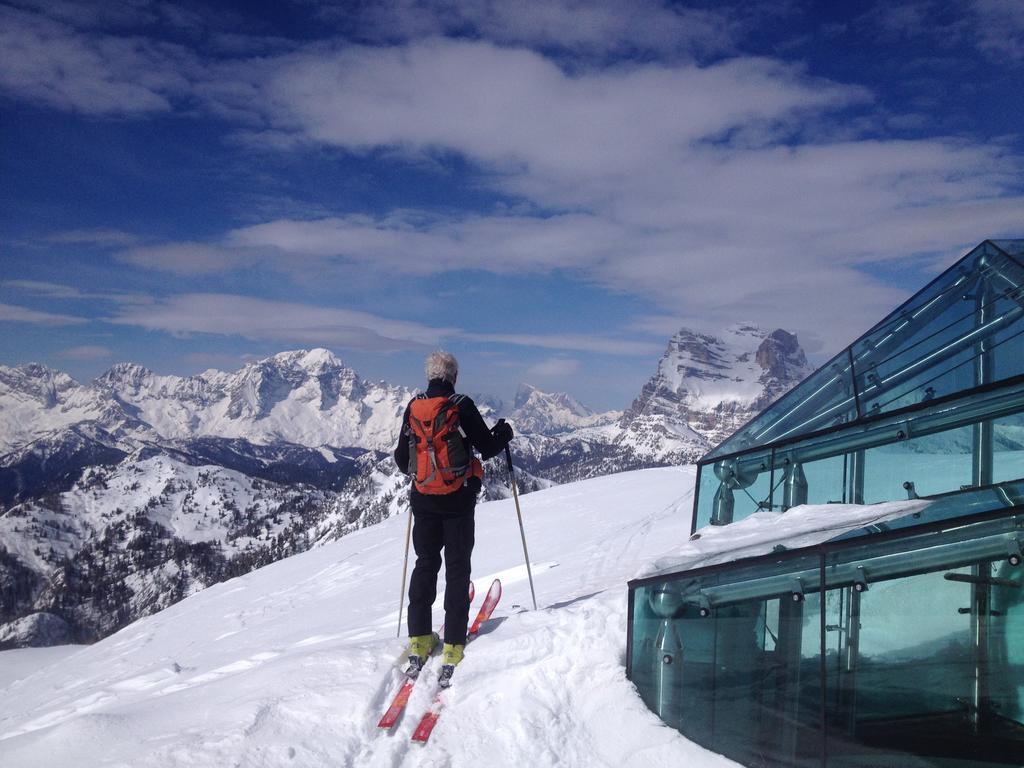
<point>125,376</point>
<point>546,413</point>
<point>317,360</point>
<point>780,355</point>
<point>716,382</point>
<point>36,381</point>
<point>523,394</point>
<point>527,394</point>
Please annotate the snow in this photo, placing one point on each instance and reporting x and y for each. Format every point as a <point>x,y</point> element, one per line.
<point>550,413</point>
<point>284,397</point>
<point>293,663</point>
<point>731,373</point>
<point>22,662</point>
<point>762,532</point>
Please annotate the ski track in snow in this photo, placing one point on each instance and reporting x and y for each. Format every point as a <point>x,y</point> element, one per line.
<point>292,665</point>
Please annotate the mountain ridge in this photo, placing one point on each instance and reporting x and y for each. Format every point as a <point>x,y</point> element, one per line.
<point>298,425</point>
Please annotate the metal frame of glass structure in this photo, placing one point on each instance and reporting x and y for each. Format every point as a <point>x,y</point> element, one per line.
<point>789,659</point>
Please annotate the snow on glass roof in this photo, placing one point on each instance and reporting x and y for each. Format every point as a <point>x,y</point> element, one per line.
<point>927,348</point>
<point>766,532</point>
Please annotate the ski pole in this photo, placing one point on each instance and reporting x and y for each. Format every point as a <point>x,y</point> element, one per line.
<point>519,514</point>
<point>405,567</point>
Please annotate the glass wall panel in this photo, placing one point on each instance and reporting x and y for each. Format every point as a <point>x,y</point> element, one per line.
<point>1008,444</point>
<point>677,684</point>
<point>733,661</point>
<point>935,464</point>
<point>942,363</point>
<point>736,489</point>
<point>924,666</point>
<point>826,480</point>
<point>1008,353</point>
<point>822,400</point>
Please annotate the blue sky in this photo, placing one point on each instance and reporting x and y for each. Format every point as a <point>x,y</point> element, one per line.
<point>548,189</point>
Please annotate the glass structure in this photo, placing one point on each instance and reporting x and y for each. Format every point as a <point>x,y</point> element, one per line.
<point>895,645</point>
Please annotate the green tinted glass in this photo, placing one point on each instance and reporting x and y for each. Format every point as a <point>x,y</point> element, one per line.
<point>732,659</point>
<point>913,655</point>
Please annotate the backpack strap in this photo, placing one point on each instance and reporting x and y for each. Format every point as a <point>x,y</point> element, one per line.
<point>456,399</point>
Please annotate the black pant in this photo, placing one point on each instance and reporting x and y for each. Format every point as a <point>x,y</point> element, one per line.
<point>448,525</point>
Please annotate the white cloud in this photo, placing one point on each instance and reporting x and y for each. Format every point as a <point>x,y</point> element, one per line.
<point>50,62</point>
<point>595,27</point>
<point>554,368</point>
<point>995,27</point>
<point>295,323</point>
<point>278,321</point>
<point>520,114</point>
<point>13,314</point>
<point>97,237</point>
<point>87,352</point>
<point>187,258</point>
<point>61,291</point>
<point>569,341</point>
<point>1000,28</point>
<point>426,243</point>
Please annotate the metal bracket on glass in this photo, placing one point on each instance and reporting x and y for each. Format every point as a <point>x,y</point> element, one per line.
<point>1013,553</point>
<point>796,591</point>
<point>860,580</point>
<point>908,486</point>
<point>705,605</point>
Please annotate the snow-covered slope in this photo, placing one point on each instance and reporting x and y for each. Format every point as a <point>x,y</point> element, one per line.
<point>290,665</point>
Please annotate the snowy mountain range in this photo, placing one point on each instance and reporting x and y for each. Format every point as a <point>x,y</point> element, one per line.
<point>99,518</point>
<point>303,397</point>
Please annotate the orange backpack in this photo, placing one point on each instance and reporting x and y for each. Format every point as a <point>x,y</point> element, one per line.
<point>439,459</point>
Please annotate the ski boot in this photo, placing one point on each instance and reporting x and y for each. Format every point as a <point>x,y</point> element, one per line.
<point>420,648</point>
<point>451,655</point>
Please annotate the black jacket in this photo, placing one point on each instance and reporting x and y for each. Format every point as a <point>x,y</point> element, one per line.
<point>477,433</point>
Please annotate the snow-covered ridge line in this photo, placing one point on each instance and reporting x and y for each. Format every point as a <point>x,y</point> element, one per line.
<point>306,397</point>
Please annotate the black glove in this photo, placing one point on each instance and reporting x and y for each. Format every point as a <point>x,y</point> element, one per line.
<point>502,432</point>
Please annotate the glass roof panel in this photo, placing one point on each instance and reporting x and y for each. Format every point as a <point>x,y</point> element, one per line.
<point>1008,495</point>
<point>964,329</point>
<point>1012,247</point>
<point>822,400</point>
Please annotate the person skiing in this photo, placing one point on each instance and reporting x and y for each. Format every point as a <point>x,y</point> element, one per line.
<point>439,431</point>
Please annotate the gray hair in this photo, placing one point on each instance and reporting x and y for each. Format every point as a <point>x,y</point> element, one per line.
<point>442,365</point>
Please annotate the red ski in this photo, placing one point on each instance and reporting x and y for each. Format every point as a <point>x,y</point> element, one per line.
<point>490,602</point>
<point>431,716</point>
<point>394,711</point>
